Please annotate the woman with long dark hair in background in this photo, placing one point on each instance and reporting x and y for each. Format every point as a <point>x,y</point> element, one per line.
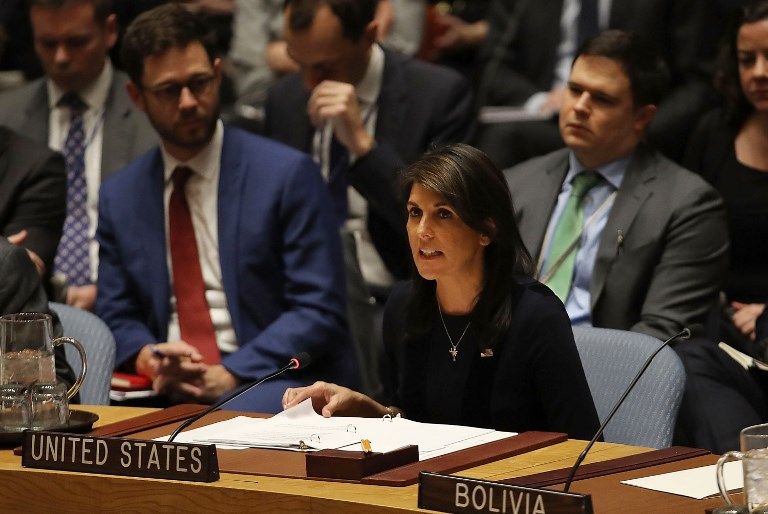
<point>729,149</point>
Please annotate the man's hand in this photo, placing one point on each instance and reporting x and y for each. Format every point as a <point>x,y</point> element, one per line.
<point>745,317</point>
<point>336,102</point>
<point>82,297</point>
<point>177,370</point>
<point>18,238</point>
<point>217,380</point>
<point>206,387</point>
<point>168,358</point>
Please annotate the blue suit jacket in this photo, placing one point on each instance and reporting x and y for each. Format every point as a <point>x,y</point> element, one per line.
<point>280,259</point>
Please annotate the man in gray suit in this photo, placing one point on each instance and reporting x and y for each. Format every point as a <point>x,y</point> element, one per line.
<point>626,238</point>
<point>81,109</point>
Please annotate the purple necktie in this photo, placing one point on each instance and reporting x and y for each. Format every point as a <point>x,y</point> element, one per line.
<point>72,258</point>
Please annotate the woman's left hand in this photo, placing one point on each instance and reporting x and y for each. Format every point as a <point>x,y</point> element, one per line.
<point>745,317</point>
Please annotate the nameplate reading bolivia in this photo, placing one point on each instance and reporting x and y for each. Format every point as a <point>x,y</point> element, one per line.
<point>116,456</point>
<point>448,493</point>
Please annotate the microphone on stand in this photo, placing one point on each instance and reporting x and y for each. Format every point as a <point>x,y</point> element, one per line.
<point>298,361</point>
<point>683,334</point>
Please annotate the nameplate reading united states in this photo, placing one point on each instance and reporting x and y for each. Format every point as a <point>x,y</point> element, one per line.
<point>116,456</point>
<point>447,493</point>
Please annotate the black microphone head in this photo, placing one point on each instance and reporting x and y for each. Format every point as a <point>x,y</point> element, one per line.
<point>301,360</point>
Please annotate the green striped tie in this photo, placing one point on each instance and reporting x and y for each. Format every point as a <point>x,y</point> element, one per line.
<point>568,228</point>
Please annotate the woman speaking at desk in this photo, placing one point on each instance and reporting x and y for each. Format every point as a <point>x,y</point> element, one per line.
<point>471,340</point>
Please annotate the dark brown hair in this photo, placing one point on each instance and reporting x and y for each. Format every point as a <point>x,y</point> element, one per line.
<point>156,31</point>
<point>727,81</point>
<point>355,15</point>
<point>477,190</point>
<point>646,69</point>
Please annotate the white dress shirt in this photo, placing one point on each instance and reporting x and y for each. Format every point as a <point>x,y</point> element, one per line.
<point>202,190</point>
<point>95,97</point>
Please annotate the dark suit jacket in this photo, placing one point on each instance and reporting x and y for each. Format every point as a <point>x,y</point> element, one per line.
<point>280,261</point>
<point>537,382</point>
<point>21,291</point>
<point>420,104</point>
<point>32,193</point>
<point>127,133</point>
<point>666,268</point>
<point>682,29</point>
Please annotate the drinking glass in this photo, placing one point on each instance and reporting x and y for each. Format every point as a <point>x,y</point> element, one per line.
<point>14,407</point>
<point>48,406</point>
<point>754,460</point>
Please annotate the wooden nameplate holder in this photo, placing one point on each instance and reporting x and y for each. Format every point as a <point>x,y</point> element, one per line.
<point>343,465</point>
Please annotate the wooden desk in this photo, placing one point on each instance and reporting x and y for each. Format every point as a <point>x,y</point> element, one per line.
<point>32,490</point>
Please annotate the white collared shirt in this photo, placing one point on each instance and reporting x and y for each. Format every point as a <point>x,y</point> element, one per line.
<point>202,192</point>
<point>59,118</point>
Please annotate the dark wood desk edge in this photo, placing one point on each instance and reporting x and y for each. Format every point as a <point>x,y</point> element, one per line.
<point>149,420</point>
<point>468,458</point>
<point>609,467</point>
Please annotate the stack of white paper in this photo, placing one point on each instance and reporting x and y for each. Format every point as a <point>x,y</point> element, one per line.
<point>301,428</point>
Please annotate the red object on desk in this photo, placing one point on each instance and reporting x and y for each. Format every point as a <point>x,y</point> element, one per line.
<point>129,382</point>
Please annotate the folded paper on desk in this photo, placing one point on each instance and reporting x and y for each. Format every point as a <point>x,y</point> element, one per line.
<point>302,429</point>
<point>697,483</point>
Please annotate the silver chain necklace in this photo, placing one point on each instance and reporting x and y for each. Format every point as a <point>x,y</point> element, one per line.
<point>454,351</point>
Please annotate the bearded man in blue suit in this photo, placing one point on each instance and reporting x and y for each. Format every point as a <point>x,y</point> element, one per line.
<point>218,258</point>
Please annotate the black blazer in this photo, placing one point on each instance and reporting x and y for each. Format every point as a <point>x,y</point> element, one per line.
<point>537,382</point>
<point>33,193</point>
<point>420,104</point>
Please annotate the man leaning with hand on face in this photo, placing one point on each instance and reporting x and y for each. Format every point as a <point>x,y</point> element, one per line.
<point>363,112</point>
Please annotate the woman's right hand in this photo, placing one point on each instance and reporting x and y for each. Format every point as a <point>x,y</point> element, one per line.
<point>331,399</point>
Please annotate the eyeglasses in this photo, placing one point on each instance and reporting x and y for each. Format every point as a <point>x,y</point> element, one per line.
<point>171,92</point>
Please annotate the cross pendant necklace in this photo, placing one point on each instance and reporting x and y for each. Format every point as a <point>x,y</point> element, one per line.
<point>454,350</point>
